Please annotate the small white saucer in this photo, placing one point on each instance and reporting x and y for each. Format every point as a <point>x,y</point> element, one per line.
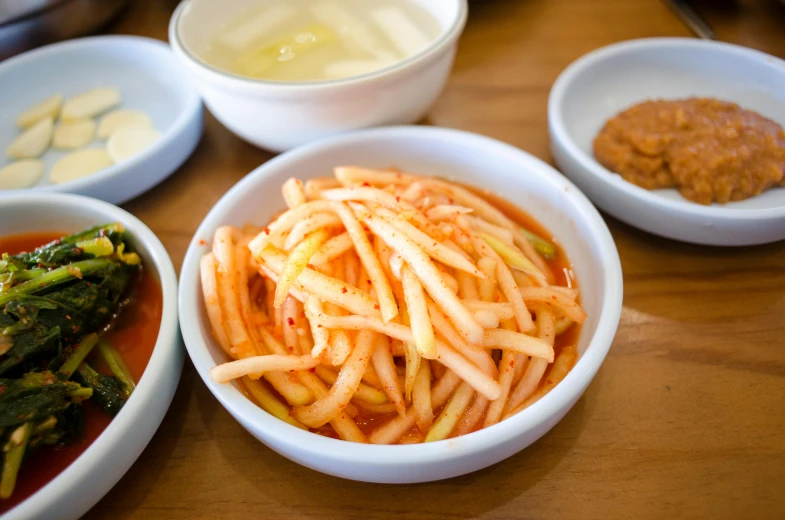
<point>604,82</point>
<point>149,79</point>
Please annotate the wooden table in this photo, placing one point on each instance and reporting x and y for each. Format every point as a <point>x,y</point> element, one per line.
<point>686,418</point>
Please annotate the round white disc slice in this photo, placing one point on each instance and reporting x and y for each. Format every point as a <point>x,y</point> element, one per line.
<point>32,142</point>
<point>49,107</point>
<point>119,118</point>
<point>70,135</point>
<point>79,164</point>
<point>90,104</point>
<point>21,174</point>
<point>127,141</point>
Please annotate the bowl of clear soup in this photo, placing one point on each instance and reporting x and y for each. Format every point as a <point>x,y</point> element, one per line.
<point>280,73</point>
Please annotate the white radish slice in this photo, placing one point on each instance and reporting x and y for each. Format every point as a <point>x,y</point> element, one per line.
<point>119,118</point>
<point>21,174</point>
<point>74,134</point>
<point>401,31</point>
<point>50,107</point>
<point>79,164</point>
<point>249,31</point>
<point>352,30</point>
<point>130,140</point>
<point>348,68</point>
<point>90,104</point>
<point>32,142</point>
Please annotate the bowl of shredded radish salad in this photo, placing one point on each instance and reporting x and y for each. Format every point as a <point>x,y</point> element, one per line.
<point>398,323</point>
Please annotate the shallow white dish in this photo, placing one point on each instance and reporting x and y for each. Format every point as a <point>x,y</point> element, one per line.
<point>147,75</point>
<point>281,115</point>
<point>523,180</point>
<point>604,82</point>
<point>77,488</point>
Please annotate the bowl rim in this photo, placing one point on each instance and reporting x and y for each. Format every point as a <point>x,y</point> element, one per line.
<point>445,39</point>
<point>166,352</point>
<point>140,45</point>
<point>347,452</point>
<point>561,136</point>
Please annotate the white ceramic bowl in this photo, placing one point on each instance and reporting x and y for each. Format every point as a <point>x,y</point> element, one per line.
<point>523,180</point>
<point>77,488</point>
<point>604,82</point>
<point>281,115</point>
<point>146,73</point>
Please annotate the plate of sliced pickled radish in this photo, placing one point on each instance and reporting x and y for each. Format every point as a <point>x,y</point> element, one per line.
<point>106,116</point>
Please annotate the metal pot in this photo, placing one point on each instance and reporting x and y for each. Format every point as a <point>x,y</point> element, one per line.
<point>25,24</point>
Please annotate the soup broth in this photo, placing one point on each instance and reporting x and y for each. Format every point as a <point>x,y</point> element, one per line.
<point>306,40</point>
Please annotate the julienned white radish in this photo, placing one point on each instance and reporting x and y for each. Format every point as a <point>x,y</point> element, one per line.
<point>401,30</point>
<point>435,294</point>
<point>352,30</point>
<point>258,26</point>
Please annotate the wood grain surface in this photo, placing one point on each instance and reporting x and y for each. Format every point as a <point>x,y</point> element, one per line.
<point>686,418</point>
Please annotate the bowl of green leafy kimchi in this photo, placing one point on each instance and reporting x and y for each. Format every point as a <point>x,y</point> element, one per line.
<point>90,351</point>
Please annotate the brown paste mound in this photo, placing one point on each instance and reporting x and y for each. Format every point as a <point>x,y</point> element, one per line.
<point>710,150</point>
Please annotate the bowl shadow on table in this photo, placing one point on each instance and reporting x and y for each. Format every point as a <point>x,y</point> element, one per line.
<point>493,19</point>
<point>697,283</point>
<point>489,11</point>
<point>491,487</point>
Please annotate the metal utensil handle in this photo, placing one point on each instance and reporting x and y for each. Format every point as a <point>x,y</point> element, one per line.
<point>691,19</point>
